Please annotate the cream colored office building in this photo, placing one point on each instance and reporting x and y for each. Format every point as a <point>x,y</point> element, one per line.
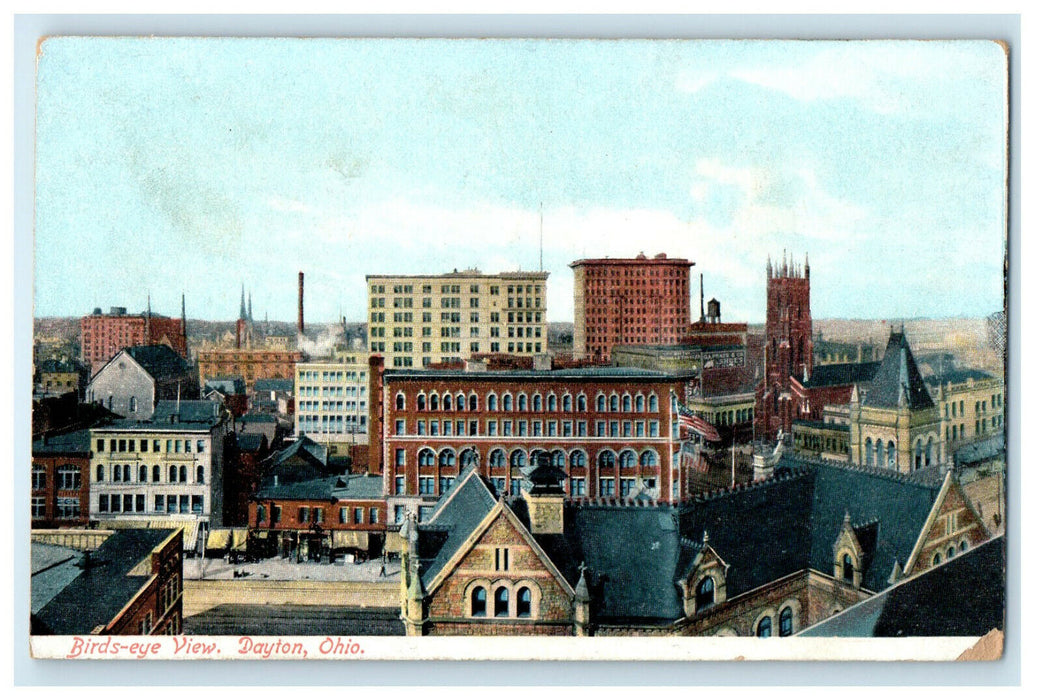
<point>417,320</point>
<point>332,404</point>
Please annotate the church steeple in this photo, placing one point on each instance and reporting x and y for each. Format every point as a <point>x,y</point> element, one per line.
<point>249,307</point>
<point>242,303</point>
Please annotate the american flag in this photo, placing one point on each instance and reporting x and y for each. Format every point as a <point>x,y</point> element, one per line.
<point>694,424</point>
<point>692,458</point>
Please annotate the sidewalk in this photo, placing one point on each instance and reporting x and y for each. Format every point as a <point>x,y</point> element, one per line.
<point>287,570</point>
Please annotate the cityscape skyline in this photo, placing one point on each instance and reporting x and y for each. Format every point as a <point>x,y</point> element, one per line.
<point>188,177</point>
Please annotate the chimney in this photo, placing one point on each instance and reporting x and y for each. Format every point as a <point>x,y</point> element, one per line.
<point>300,303</point>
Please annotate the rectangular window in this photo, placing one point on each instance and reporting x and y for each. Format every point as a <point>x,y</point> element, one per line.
<point>577,486</point>
<point>358,515</point>
<point>426,485</point>
<point>492,428</point>
<point>103,503</point>
<point>139,503</point>
<point>399,426</point>
<point>627,486</point>
<point>472,427</point>
<point>522,428</point>
<point>343,516</point>
<point>399,457</point>
<point>128,503</point>
<point>607,487</point>
<point>399,485</point>
<point>653,428</point>
<point>551,428</point>
<point>39,507</point>
<point>421,427</point>
<point>39,477</point>
<point>600,428</point>
<point>638,428</point>
<point>182,503</point>
<point>566,428</point>
<point>399,514</point>
<point>508,428</point>
<point>374,515</point>
<point>303,514</point>
<point>171,504</point>
<point>614,428</point>
<point>581,427</point>
<point>276,514</point>
<point>160,504</point>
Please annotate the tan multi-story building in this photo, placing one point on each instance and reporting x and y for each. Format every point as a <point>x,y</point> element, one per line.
<point>418,320</point>
<point>332,400</point>
<point>971,405</point>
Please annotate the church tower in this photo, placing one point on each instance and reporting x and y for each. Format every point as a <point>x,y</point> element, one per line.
<point>788,344</point>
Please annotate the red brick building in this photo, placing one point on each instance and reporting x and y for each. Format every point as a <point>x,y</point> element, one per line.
<point>630,301</point>
<point>248,363</point>
<point>104,335</point>
<point>609,428</point>
<point>61,480</point>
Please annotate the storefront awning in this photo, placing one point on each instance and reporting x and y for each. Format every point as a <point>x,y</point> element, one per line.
<point>238,538</point>
<point>217,539</point>
<point>343,539</point>
<point>395,542</point>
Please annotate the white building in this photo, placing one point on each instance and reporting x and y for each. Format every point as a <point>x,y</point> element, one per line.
<point>163,471</point>
<point>332,404</point>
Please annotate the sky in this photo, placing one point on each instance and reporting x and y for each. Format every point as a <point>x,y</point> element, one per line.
<point>195,166</point>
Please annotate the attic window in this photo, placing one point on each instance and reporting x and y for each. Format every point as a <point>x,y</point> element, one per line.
<point>848,568</point>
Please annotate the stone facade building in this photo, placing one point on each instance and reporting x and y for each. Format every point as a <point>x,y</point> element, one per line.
<point>630,301</point>
<point>761,560</point>
<point>332,404</point>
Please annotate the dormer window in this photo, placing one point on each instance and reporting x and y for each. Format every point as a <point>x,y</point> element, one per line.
<point>848,569</point>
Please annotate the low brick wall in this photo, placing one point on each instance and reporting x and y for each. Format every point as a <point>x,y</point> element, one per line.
<point>203,595</point>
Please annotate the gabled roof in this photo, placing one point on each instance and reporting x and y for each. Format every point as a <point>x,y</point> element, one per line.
<point>343,487</point>
<point>897,383</point>
<point>229,386</point>
<point>841,374</point>
<point>306,449</point>
<point>94,596</point>
<point>158,360</point>
<point>924,605</point>
<point>456,517</point>
<point>284,385</point>
<point>250,442</point>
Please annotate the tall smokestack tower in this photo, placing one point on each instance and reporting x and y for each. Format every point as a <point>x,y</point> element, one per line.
<point>300,303</point>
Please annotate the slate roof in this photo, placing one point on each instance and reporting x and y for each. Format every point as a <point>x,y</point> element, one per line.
<point>187,411</point>
<point>283,385</point>
<point>159,361</point>
<point>978,451</point>
<point>76,442</point>
<point>598,372</point>
<point>440,538</point>
<point>250,442</point>
<point>898,382</point>
<point>304,448</point>
<point>344,487</point>
<point>924,605</point>
<point>94,596</point>
<point>956,376</point>
<point>636,554</point>
<point>229,386</point>
<point>841,374</point>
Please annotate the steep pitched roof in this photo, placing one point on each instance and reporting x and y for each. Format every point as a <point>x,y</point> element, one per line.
<point>159,361</point>
<point>458,514</point>
<point>303,448</point>
<point>924,605</point>
<point>897,383</point>
<point>186,411</point>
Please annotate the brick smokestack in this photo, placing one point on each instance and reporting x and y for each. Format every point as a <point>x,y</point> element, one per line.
<point>300,303</point>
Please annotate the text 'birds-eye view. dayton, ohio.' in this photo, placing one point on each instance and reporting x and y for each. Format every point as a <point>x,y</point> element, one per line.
<point>420,338</point>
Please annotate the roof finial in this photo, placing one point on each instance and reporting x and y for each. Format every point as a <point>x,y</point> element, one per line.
<point>705,537</point>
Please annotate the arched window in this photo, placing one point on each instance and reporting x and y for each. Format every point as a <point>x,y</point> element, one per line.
<point>566,403</point>
<point>155,472</point>
<point>613,403</point>
<point>868,452</point>
<point>426,458</point>
<point>551,403</point>
<point>537,402</point>
<point>478,602</point>
<point>649,458</point>
<point>522,402</point>
<point>848,568</point>
<point>557,458</point>
<point>785,622</point>
<point>705,594</point>
<point>492,402</point>
<point>497,458</point>
<point>580,403</point>
<point>518,458</point>
<point>508,402</point>
<point>446,402</point>
<point>434,402</point>
<point>929,452</point>
<point>963,546</point>
<point>142,473</point>
<point>606,460</point>
<point>100,475</point>
<point>918,455</point>
<point>172,474</point>
<point>951,551</point>
<point>627,459</point>
<point>879,454</point>
<point>653,403</point>
<point>577,459</point>
<point>183,474</point>
<point>936,558</point>
<point>126,472</point>
<point>468,457</point>
<point>763,627</point>
<point>133,404</point>
<point>461,402</point>
<point>524,602</point>
<point>891,455</point>
<point>600,403</point>
<point>447,458</point>
<point>199,474</point>
<point>502,602</point>
<point>421,402</point>
<point>639,403</point>
<point>473,402</point>
<point>399,401</point>
<point>627,403</point>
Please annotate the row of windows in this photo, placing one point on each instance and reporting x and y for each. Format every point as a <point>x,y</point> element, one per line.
<point>535,428</point>
<point>606,459</point>
<point>68,477</point>
<point>950,552</point>
<point>330,392</point>
<point>65,508</point>
<point>162,503</point>
<point>504,605</point>
<point>602,403</point>
<point>123,473</point>
<point>314,375</point>
<point>132,445</point>
<point>331,406</point>
<point>305,515</point>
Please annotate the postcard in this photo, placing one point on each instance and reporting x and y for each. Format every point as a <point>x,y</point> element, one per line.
<point>426,348</point>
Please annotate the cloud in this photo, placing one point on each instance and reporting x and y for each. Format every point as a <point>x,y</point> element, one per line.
<point>286,204</point>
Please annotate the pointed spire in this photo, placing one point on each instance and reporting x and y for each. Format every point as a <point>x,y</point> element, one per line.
<point>785,262</point>
<point>770,270</point>
<point>582,592</point>
<point>806,266</point>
